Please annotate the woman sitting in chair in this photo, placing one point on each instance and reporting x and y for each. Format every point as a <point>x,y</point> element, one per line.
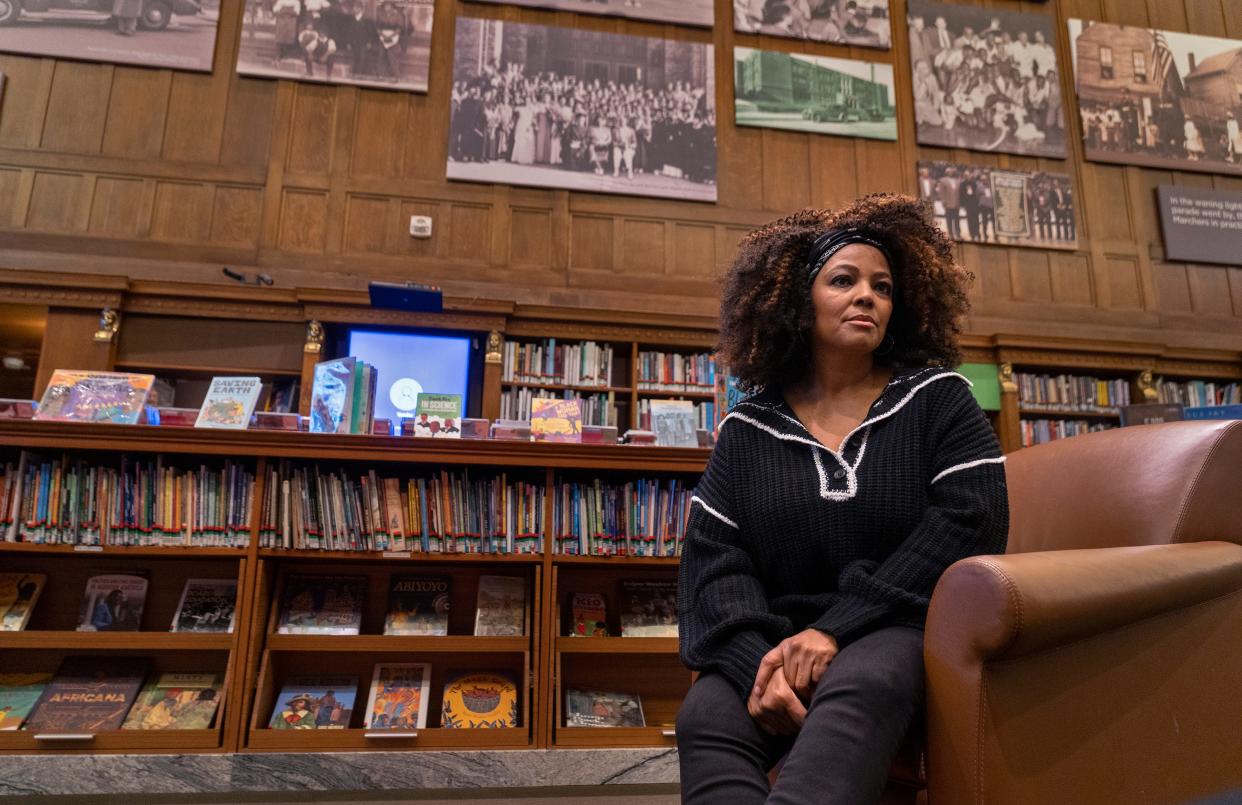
<point>859,469</point>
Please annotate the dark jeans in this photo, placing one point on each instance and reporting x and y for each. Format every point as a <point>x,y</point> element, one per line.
<point>860,713</point>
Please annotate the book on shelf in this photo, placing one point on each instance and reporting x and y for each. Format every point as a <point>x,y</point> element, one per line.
<point>322,605</point>
<point>642,517</point>
<point>1196,393</point>
<point>113,603</point>
<point>283,396</point>
<point>88,694</point>
<point>648,608</point>
<point>599,409</point>
<point>448,512</point>
<point>479,700</point>
<point>332,396</point>
<point>674,423</point>
<point>16,408</point>
<point>1071,393</point>
<point>438,416</point>
<point>672,371</point>
<point>398,697</point>
<point>152,501</point>
<point>1214,412</point>
<point>176,417</point>
<point>19,592</point>
<point>417,605</point>
<point>315,703</point>
<point>176,702</point>
<point>229,403</point>
<point>1039,431</point>
<point>18,694</point>
<point>83,396</point>
<point>585,363</point>
<point>588,615</point>
<point>594,708</point>
<point>501,607</point>
<point>516,430</point>
<point>554,420</point>
<point>1150,414</point>
<point>207,605</point>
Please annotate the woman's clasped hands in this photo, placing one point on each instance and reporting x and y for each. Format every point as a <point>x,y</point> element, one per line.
<point>786,679</point>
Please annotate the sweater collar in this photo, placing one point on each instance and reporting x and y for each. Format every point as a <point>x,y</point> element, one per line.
<point>769,411</point>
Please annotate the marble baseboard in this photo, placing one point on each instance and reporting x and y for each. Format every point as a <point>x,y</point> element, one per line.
<point>31,775</point>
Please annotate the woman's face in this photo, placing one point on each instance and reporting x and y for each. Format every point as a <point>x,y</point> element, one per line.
<point>853,300</point>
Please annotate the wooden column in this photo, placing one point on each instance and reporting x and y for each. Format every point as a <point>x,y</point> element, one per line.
<point>491,377</point>
<point>1010,424</point>
<point>69,342</point>
<point>312,353</point>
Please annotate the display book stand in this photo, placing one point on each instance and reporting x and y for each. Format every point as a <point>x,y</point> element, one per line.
<point>255,661</point>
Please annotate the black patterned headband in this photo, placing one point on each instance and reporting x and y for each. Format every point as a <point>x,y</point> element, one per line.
<point>833,241</point>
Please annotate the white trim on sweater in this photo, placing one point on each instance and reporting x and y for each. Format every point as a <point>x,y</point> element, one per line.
<point>696,499</point>
<point>967,465</point>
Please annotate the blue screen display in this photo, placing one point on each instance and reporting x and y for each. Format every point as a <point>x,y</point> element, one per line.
<point>409,363</point>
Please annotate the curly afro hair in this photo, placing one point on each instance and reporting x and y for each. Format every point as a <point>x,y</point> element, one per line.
<point>766,313</point>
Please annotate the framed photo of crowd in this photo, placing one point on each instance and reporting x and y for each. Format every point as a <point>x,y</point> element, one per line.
<point>180,35</point>
<point>816,94</point>
<point>1159,99</point>
<point>384,44</point>
<point>978,204</point>
<point>985,79</point>
<point>848,22</point>
<point>682,12</point>
<point>582,110</point>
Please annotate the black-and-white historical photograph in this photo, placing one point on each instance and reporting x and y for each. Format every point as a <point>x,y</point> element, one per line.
<point>850,22</point>
<point>681,12</point>
<point>985,79</point>
<point>368,43</point>
<point>178,34</point>
<point>1160,99</point>
<point>582,110</point>
<point>977,204</point>
<point>815,94</point>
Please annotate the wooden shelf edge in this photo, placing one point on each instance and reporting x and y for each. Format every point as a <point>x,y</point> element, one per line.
<point>123,550</point>
<point>617,645</point>
<point>116,641</point>
<point>614,561</point>
<point>399,556</point>
<point>404,643</point>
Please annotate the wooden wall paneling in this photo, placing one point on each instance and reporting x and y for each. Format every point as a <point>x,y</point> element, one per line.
<point>68,343</point>
<point>282,128</point>
<point>181,212</point>
<point>1032,282</point>
<point>253,111</point>
<point>313,127</point>
<point>57,201</point>
<point>1235,289</point>
<point>23,105</point>
<point>379,133</point>
<point>785,158</point>
<point>1165,15</point>
<point>1124,287</point>
<point>694,250</point>
<point>531,236</point>
<point>137,113</point>
<point>1071,279</point>
<point>1125,12</point>
<point>1172,287</point>
<point>880,168</point>
<point>470,232</point>
<point>197,105</point>
<point>591,241</point>
<point>77,108</point>
<point>367,224</point>
<point>303,221</point>
<point>830,185</point>
<point>500,221</point>
<point>119,207</point>
<point>10,188</point>
<point>641,247</point>
<point>1209,290</point>
<point>342,144</point>
<point>237,216</point>
<point>991,264</point>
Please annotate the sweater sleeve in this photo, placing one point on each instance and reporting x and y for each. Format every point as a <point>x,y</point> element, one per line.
<point>724,623</point>
<point>968,514</point>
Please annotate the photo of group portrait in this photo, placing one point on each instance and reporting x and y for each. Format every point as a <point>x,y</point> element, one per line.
<point>1159,99</point>
<point>681,12</point>
<point>985,79</point>
<point>978,204</point>
<point>369,43</point>
<point>582,110</point>
<point>848,22</point>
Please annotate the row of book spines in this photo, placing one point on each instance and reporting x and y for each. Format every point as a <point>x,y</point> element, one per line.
<point>1197,393</point>
<point>672,370</point>
<point>705,415</point>
<point>649,519</point>
<point>585,363</point>
<point>597,409</point>
<point>1071,390</point>
<point>1039,431</point>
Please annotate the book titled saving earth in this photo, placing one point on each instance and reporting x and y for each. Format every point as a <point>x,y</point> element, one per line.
<point>176,702</point>
<point>479,700</point>
<point>88,695</point>
<point>229,403</point>
<point>438,416</point>
<point>80,396</point>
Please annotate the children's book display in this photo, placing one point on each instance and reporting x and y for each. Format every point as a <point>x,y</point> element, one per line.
<point>315,703</point>
<point>644,517</point>
<point>343,396</point>
<point>417,605</point>
<point>19,592</point>
<point>649,608</point>
<point>438,416</point>
<point>113,603</point>
<point>479,701</point>
<point>398,698</point>
<point>88,695</point>
<point>501,609</point>
<point>229,403</point>
<point>588,615</point>
<point>556,420</point>
<point>176,702</point>
<point>322,605</point>
<point>592,708</point>
<point>674,423</point>
<point>80,396</point>
<point>18,695</point>
<point>207,605</point>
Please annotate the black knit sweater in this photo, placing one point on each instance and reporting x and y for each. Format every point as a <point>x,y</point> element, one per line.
<point>787,534</point>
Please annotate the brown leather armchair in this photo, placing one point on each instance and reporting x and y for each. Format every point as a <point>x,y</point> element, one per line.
<point>1100,660</point>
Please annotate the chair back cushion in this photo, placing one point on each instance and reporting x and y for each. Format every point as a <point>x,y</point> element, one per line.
<point>1144,485</point>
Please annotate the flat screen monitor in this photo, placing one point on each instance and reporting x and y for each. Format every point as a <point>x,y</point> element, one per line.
<point>409,363</point>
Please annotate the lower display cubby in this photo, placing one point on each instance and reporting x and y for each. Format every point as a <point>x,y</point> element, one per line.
<point>658,679</point>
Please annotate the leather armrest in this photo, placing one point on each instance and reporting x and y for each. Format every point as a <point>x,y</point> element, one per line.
<point>996,607</point>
